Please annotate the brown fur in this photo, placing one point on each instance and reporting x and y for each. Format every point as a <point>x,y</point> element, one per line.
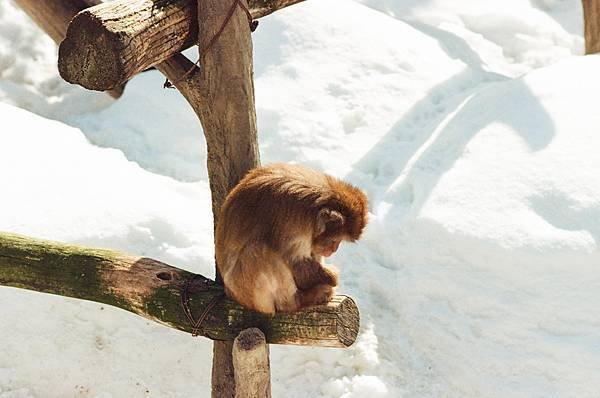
<point>273,230</point>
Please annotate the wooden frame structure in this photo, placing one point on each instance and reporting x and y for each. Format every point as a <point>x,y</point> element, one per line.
<point>102,46</point>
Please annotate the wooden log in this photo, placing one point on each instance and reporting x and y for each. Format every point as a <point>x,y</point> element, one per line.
<point>152,289</point>
<point>108,44</point>
<point>224,101</point>
<point>54,16</point>
<point>591,18</point>
<point>251,364</point>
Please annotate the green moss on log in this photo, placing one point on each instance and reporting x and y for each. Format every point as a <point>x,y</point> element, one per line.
<point>48,267</point>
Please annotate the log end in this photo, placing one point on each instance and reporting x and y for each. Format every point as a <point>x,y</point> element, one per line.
<point>335,324</point>
<point>249,339</point>
<point>348,321</point>
<point>89,55</point>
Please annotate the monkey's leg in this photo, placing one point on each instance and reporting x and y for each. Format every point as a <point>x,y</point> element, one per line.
<point>316,295</point>
<point>308,272</point>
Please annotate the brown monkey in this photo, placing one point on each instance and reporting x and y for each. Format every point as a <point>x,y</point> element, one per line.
<point>274,229</point>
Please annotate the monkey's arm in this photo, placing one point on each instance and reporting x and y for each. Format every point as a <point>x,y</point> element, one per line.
<point>308,273</point>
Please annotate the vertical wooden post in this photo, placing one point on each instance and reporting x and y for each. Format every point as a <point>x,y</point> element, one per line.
<point>228,116</point>
<point>221,92</point>
<point>54,16</point>
<point>591,21</point>
<point>251,364</point>
<point>228,112</point>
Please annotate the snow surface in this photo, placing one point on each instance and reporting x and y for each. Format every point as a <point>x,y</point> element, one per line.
<point>472,126</point>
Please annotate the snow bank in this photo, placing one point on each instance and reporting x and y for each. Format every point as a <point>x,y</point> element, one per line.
<point>491,227</point>
<point>511,37</point>
<point>478,273</point>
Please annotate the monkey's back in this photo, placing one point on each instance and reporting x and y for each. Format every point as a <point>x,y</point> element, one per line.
<point>269,200</point>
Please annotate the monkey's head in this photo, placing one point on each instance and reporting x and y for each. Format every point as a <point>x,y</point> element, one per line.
<point>342,219</point>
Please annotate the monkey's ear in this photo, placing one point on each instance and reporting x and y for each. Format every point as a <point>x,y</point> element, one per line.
<point>329,219</point>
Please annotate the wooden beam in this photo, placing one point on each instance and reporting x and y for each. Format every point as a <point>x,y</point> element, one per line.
<point>251,364</point>
<point>223,98</point>
<point>108,44</point>
<point>591,18</point>
<point>54,16</point>
<point>152,289</point>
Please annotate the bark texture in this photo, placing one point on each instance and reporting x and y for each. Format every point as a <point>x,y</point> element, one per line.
<point>591,17</point>
<point>152,289</point>
<point>226,98</point>
<point>224,102</point>
<point>53,17</point>
<point>108,44</point>
<point>251,364</point>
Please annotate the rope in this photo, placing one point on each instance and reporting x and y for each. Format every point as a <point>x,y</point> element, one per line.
<point>185,304</point>
<point>202,52</point>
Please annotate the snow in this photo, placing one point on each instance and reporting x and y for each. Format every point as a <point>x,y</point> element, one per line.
<point>472,126</point>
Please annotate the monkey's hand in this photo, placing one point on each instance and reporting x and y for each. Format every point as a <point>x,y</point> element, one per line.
<point>316,295</point>
<point>308,273</point>
<point>333,274</point>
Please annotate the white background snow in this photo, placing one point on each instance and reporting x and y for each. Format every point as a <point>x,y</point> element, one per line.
<point>472,125</point>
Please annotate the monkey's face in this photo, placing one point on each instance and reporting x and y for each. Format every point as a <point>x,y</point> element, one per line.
<point>326,245</point>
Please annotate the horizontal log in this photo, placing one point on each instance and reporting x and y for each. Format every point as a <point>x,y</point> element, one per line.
<point>153,290</point>
<point>108,44</point>
<point>53,17</point>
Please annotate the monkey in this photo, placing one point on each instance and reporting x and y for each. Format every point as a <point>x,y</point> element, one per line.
<point>275,228</point>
